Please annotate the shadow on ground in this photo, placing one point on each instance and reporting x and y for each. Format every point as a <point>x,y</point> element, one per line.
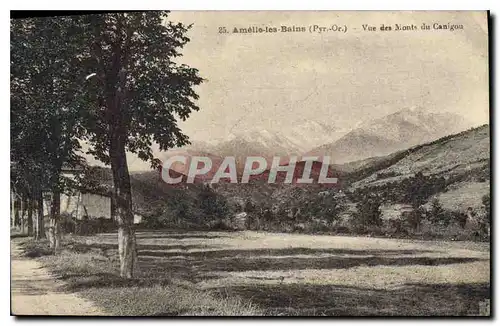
<point>330,300</point>
<point>161,262</point>
<point>231,264</point>
<point>198,262</point>
<point>183,236</point>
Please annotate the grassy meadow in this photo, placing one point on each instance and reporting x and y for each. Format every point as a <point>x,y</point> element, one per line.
<point>258,273</point>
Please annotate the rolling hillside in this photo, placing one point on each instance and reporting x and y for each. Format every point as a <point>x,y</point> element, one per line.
<point>462,159</point>
<point>465,153</point>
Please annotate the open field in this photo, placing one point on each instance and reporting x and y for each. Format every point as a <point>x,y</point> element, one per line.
<point>277,274</point>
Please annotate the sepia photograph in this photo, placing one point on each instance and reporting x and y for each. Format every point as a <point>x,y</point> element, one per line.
<point>250,163</point>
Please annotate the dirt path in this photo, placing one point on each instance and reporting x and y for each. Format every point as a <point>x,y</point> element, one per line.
<point>35,292</point>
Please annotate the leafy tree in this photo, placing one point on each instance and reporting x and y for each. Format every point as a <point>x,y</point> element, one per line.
<point>134,96</point>
<point>116,75</point>
<point>436,213</point>
<point>45,119</point>
<point>25,128</point>
<point>486,219</point>
<point>486,201</point>
<point>249,206</point>
<point>326,207</point>
<point>413,219</point>
<point>368,213</point>
<point>212,204</point>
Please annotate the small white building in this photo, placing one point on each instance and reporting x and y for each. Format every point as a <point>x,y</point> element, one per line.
<point>82,203</point>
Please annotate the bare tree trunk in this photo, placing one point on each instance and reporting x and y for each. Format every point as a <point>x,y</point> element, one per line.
<point>12,209</point>
<point>24,210</point>
<point>54,225</point>
<point>17,204</point>
<point>113,208</point>
<point>122,204</point>
<point>40,227</point>
<point>30,217</point>
<point>118,133</point>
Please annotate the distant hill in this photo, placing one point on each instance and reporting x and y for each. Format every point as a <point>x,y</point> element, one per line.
<point>309,134</point>
<point>314,174</point>
<point>149,191</point>
<point>453,155</point>
<point>463,159</point>
<point>256,142</point>
<point>262,142</point>
<point>188,153</point>
<point>391,133</point>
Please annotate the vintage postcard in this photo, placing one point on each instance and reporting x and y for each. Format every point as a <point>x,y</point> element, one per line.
<point>251,163</point>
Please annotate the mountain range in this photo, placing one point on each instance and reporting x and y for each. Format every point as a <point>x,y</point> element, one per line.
<point>463,159</point>
<point>378,137</point>
<point>368,139</point>
<point>391,133</point>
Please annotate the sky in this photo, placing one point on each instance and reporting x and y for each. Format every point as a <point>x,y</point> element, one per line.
<point>275,80</point>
